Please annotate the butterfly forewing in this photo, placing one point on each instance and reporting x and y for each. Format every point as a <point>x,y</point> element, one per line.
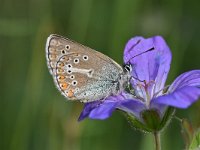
<point>80,72</point>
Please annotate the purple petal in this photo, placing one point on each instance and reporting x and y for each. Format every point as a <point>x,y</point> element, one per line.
<point>104,109</point>
<point>190,78</point>
<point>88,107</point>
<point>150,66</point>
<point>132,106</point>
<point>161,108</point>
<point>180,98</point>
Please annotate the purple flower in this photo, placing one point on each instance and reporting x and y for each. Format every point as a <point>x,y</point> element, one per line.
<point>149,74</point>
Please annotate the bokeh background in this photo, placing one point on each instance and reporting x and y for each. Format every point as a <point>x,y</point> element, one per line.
<point>34,115</point>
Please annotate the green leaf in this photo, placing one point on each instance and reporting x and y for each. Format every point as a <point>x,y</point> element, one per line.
<point>136,124</point>
<point>150,120</point>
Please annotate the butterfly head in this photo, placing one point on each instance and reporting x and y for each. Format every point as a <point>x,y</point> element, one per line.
<point>125,77</point>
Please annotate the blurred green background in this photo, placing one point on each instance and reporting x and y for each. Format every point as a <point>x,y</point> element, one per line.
<point>34,115</point>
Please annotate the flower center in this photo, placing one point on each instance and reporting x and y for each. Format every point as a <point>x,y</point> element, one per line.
<point>145,91</point>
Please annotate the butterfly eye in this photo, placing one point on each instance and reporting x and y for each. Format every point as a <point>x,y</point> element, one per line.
<point>128,68</point>
<point>67,47</point>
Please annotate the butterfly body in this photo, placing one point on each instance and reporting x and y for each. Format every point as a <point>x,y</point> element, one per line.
<point>81,73</point>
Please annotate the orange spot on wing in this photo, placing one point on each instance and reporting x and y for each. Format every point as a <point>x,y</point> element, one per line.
<point>65,58</point>
<point>64,85</point>
<point>61,64</point>
<point>70,93</point>
<point>60,71</point>
<point>61,77</point>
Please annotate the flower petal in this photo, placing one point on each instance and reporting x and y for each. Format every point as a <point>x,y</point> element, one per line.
<point>150,66</point>
<point>103,109</point>
<point>161,108</point>
<point>190,78</point>
<point>133,106</point>
<point>88,107</point>
<point>180,98</point>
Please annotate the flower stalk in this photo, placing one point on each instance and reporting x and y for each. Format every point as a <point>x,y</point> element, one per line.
<point>157,140</point>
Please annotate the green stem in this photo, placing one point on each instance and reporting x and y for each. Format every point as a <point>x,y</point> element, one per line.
<point>157,140</point>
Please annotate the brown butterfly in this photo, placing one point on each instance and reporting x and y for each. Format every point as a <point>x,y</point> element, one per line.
<point>81,73</point>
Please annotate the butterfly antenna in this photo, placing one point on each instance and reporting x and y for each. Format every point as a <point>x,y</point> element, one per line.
<point>151,49</point>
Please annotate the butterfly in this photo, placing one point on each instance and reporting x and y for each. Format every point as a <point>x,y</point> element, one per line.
<point>83,74</point>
